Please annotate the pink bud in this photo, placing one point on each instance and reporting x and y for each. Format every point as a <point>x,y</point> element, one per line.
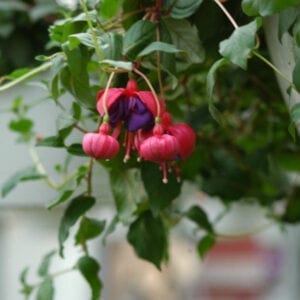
<point>131,87</point>
<point>100,145</point>
<point>186,138</point>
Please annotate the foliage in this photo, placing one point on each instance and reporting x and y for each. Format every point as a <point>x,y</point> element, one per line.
<point>212,72</point>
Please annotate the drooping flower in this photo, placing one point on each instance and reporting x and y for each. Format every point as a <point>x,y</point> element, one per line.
<point>100,145</point>
<point>137,109</point>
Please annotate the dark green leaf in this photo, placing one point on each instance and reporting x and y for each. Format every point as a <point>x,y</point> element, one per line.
<point>185,37</point>
<point>76,149</point>
<point>139,35</point>
<point>74,211</point>
<point>110,228</point>
<point>266,7</point>
<point>292,211</point>
<point>51,141</point>
<point>183,8</point>
<point>148,237</point>
<point>64,196</point>
<point>295,112</point>
<point>210,84</point>
<point>205,244</point>
<point>22,125</point>
<point>296,75</point>
<point>159,46</point>
<point>160,194</point>
<point>109,8</point>
<point>239,45</point>
<point>46,290</point>
<point>286,19</point>
<point>44,266</point>
<point>112,46</point>
<point>90,268</point>
<point>88,229</point>
<point>29,173</point>
<point>125,187</point>
<point>26,288</point>
<point>198,215</point>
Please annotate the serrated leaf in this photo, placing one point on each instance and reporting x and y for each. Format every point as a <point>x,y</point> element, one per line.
<point>210,84</point>
<point>198,216</point>
<point>148,237</point>
<point>51,141</point>
<point>159,46</point>
<point>74,211</point>
<point>160,194</point>
<point>185,37</point>
<point>88,229</point>
<point>183,8</point>
<point>46,290</point>
<point>29,173</point>
<point>125,189</point>
<point>239,45</point>
<point>44,266</point>
<point>205,244</point>
<point>266,7</point>
<point>90,268</point>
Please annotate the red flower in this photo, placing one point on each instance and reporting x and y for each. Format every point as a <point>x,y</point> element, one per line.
<point>100,145</point>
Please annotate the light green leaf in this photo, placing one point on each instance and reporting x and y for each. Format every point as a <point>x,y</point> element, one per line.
<point>239,45</point>
<point>118,64</point>
<point>88,229</point>
<point>148,237</point>
<point>109,8</point>
<point>44,266</point>
<point>29,173</point>
<point>286,19</point>
<point>90,268</point>
<point>51,141</point>
<point>22,126</point>
<point>74,211</point>
<point>295,112</point>
<point>46,290</point>
<point>17,73</point>
<point>266,7</point>
<point>185,37</point>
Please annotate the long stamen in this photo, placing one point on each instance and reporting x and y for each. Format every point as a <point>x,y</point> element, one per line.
<point>164,171</point>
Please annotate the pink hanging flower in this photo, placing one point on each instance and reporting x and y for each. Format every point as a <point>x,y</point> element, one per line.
<point>100,145</point>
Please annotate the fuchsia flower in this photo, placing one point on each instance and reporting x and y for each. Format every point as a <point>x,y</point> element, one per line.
<point>148,129</point>
<point>100,145</point>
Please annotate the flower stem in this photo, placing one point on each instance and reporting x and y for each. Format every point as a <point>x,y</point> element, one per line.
<point>89,177</point>
<point>93,31</point>
<point>26,76</point>
<point>228,15</point>
<point>151,89</point>
<point>159,77</point>
<point>111,76</point>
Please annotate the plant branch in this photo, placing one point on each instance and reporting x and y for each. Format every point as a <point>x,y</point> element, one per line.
<point>89,177</point>
<point>159,77</point>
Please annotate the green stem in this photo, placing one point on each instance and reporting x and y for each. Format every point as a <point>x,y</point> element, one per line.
<point>111,76</point>
<point>93,31</point>
<point>26,76</point>
<point>40,167</point>
<point>267,62</point>
<point>89,177</point>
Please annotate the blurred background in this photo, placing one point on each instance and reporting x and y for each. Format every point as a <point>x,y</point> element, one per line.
<point>261,266</point>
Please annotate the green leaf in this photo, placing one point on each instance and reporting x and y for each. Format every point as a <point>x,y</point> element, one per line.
<point>119,64</point>
<point>51,141</point>
<point>239,45</point>
<point>90,268</point>
<point>17,73</point>
<point>26,288</point>
<point>295,112</point>
<point>76,149</point>
<point>112,46</point>
<point>110,228</point>
<point>44,266</point>
<point>296,75</point>
<point>63,197</point>
<point>148,237</point>
<point>46,290</point>
<point>109,8</point>
<point>210,84</point>
<point>286,19</point>
<point>29,173</point>
<point>292,210</point>
<point>266,7</point>
<point>160,194</point>
<point>183,8</point>
<point>88,229</point>
<point>185,37</point>
<point>74,211</point>
<point>22,126</point>
<point>205,244</point>
<point>138,36</point>
<point>159,46</point>
<point>125,186</point>
<point>198,215</point>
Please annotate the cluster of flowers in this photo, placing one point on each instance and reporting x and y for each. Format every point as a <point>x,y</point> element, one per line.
<point>148,129</point>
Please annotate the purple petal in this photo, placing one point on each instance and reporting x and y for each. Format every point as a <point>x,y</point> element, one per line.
<point>117,111</point>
